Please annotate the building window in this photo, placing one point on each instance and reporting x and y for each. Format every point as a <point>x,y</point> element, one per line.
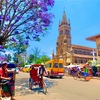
<point>80,52</point>
<point>88,53</point>
<point>99,50</point>
<point>81,60</point>
<point>75,60</point>
<point>84,52</point>
<point>61,32</point>
<point>75,51</point>
<point>66,31</point>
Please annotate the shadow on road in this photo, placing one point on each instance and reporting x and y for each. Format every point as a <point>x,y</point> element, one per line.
<point>22,88</point>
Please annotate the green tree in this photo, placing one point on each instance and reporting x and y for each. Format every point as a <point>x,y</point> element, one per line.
<point>8,56</point>
<point>19,48</point>
<point>44,58</point>
<point>31,58</point>
<point>37,56</point>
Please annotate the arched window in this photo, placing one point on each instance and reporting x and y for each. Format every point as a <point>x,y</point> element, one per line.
<point>67,31</point>
<point>65,41</point>
<point>61,32</point>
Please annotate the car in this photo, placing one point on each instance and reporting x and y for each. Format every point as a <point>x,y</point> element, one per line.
<point>26,68</point>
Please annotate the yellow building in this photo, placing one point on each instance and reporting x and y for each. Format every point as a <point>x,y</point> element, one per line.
<point>70,53</point>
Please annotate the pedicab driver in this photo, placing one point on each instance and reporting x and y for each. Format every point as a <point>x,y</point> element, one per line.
<point>41,71</point>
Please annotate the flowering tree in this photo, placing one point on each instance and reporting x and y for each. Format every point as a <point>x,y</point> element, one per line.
<point>31,17</point>
<point>2,58</point>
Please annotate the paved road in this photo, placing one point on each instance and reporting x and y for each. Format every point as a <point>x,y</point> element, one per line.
<point>58,89</point>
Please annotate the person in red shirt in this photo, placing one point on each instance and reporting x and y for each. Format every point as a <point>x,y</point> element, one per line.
<point>5,79</point>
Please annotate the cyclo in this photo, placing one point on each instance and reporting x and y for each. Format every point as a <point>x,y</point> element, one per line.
<point>36,79</point>
<point>80,74</point>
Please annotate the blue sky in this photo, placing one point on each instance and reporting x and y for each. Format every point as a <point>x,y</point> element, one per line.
<point>84,16</point>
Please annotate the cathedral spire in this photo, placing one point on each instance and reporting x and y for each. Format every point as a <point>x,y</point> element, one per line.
<point>64,20</point>
<point>59,22</point>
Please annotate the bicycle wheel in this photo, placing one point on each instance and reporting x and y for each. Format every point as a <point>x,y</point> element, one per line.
<point>44,88</point>
<point>30,85</point>
<point>75,76</point>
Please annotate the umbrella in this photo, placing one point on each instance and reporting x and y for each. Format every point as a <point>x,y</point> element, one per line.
<point>11,65</point>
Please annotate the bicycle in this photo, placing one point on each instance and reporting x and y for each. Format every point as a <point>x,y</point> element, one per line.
<point>79,75</point>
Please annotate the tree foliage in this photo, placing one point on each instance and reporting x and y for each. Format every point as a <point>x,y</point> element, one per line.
<point>31,17</point>
<point>44,58</point>
<point>37,56</point>
<point>8,56</point>
<point>19,48</point>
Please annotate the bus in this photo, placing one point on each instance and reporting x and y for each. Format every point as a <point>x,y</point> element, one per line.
<point>54,68</point>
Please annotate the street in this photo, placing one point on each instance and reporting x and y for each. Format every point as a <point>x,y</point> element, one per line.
<point>58,89</point>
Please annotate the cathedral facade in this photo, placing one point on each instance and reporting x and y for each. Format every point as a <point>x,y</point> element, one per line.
<point>70,53</point>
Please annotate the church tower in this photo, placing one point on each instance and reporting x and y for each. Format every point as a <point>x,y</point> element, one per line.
<point>63,44</point>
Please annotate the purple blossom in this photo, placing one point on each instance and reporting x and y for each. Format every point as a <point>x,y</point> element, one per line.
<point>18,18</point>
<point>0,22</point>
<point>1,16</point>
<point>27,37</point>
<point>7,18</point>
<point>35,37</point>
<point>1,47</point>
<point>16,32</point>
<point>2,58</point>
<point>50,2</point>
<point>25,12</point>
<point>26,42</point>
<point>13,39</point>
